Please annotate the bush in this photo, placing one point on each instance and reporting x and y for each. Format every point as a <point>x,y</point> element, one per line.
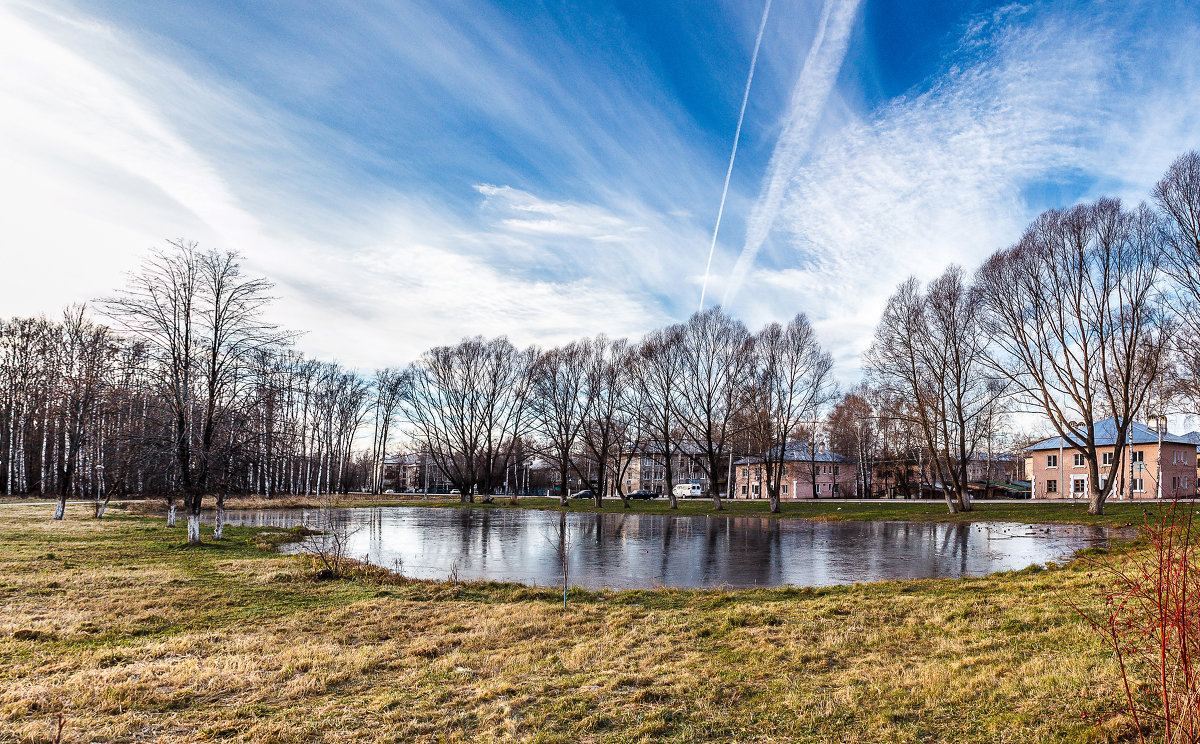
<point>1151,621</point>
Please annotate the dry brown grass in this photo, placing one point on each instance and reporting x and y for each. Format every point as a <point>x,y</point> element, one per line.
<point>137,638</point>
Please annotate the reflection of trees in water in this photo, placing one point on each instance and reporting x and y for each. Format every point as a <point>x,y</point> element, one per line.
<point>622,550</point>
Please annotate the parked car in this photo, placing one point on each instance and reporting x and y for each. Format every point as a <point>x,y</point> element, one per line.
<point>455,492</point>
<point>641,494</point>
<point>687,490</point>
<point>584,494</point>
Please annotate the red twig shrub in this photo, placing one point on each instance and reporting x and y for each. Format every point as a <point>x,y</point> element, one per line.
<point>1151,621</point>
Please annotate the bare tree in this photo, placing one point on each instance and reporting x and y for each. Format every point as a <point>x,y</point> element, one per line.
<point>853,433</point>
<point>607,422</point>
<point>468,406</point>
<point>930,348</point>
<point>85,353</point>
<point>1076,323</point>
<point>717,360</point>
<point>658,372</point>
<point>388,387</point>
<point>200,318</point>
<point>1178,198</point>
<point>792,382</point>
<point>561,403</point>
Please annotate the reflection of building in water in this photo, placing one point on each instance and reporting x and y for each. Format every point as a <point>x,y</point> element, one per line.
<point>805,474</point>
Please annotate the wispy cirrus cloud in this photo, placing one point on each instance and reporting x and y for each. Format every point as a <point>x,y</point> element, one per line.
<point>813,88</point>
<point>1034,108</point>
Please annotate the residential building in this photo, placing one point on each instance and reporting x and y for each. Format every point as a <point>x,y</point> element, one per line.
<point>644,469</point>
<point>1148,469</point>
<point>832,475</point>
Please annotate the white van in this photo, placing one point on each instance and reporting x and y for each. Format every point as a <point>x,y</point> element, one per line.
<point>687,490</point>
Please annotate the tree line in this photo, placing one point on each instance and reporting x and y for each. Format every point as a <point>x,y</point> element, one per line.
<point>177,386</point>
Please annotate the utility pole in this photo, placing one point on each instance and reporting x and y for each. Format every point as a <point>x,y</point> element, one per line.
<point>729,475</point>
<point>1160,424</point>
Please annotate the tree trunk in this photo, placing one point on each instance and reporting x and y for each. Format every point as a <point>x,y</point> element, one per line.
<point>1096,503</point>
<point>61,508</point>
<point>171,514</point>
<point>219,527</point>
<point>193,528</point>
<point>673,499</point>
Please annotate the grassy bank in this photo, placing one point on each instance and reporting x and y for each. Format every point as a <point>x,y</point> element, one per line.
<point>135,637</point>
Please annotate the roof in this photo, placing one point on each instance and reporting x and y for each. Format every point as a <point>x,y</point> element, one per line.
<point>655,447</point>
<point>1106,436</point>
<point>798,452</point>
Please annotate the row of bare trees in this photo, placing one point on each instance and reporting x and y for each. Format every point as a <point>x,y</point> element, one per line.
<point>185,390</point>
<point>1091,314</point>
<point>589,404</point>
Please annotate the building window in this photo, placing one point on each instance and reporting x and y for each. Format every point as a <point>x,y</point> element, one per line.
<point>1052,461</point>
<point>743,490</point>
<point>783,488</point>
<point>836,468</point>
<point>1051,486</point>
<point>1175,483</point>
<point>783,472</point>
<point>1079,461</point>
<point>834,489</point>
<point>1139,456</point>
<point>1138,485</point>
<point>1077,485</point>
<point>1103,482</point>
<point>1107,458</point>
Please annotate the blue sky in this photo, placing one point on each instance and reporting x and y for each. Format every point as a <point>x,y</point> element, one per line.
<point>409,173</point>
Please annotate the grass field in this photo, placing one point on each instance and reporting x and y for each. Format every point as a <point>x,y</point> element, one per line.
<point>135,637</point>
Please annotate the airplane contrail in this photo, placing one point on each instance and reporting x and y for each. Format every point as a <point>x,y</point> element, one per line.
<point>736,135</point>
<point>812,90</point>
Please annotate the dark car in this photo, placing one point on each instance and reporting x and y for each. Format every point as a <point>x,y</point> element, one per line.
<point>642,494</point>
<point>584,494</point>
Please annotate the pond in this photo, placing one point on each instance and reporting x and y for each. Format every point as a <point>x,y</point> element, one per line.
<point>631,551</point>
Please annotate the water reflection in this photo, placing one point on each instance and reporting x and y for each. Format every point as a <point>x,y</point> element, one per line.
<point>653,550</point>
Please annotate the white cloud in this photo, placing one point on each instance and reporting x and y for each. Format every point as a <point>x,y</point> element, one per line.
<point>945,175</point>
<point>96,167</point>
<point>809,96</point>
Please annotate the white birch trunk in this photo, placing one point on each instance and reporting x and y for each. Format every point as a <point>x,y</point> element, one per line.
<point>193,528</point>
<point>60,508</point>
<point>171,515</point>
<point>45,435</point>
<point>219,529</point>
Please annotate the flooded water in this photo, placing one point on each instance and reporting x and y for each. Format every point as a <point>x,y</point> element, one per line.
<point>624,551</point>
